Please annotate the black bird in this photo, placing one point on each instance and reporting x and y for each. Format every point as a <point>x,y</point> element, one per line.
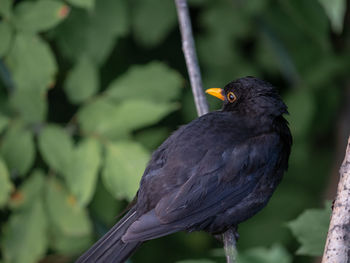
<point>210,174</point>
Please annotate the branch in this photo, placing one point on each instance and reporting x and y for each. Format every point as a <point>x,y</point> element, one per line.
<point>188,47</point>
<point>229,238</point>
<point>337,247</point>
<point>189,50</point>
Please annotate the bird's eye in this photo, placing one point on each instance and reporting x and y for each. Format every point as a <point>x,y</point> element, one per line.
<point>231,97</point>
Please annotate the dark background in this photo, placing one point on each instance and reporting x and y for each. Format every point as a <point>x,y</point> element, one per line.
<point>73,145</point>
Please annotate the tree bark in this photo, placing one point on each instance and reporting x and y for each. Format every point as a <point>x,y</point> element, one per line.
<point>337,249</point>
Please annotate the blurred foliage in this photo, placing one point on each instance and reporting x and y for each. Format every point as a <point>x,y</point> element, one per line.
<point>89,88</point>
<point>276,254</point>
<point>311,228</point>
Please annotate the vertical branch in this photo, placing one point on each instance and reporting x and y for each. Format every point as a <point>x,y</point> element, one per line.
<point>337,247</point>
<point>188,47</point>
<point>229,238</point>
<point>189,50</point>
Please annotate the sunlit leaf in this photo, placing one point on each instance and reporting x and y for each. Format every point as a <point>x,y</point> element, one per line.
<point>310,229</point>
<point>154,81</point>
<point>29,191</point>
<point>6,186</point>
<point>31,62</point>
<point>87,4</point>
<point>82,81</point>
<point>335,11</point>
<point>276,254</point>
<point>123,167</point>
<point>25,237</point>
<point>105,118</point>
<point>152,20</point>
<point>134,114</point>
<point>17,149</point>
<point>66,215</point>
<point>5,36</point>
<point>82,172</point>
<point>39,15</point>
<point>56,147</point>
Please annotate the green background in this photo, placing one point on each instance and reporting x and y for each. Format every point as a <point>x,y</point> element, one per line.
<point>89,88</point>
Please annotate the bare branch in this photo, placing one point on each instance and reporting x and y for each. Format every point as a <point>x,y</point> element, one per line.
<point>189,50</point>
<point>229,238</point>
<point>188,47</point>
<point>337,249</point>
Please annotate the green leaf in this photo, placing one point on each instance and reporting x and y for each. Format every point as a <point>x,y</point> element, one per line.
<point>152,20</point>
<point>154,81</point>
<point>196,261</point>
<point>68,244</point>
<point>6,37</point>
<point>6,8</point>
<point>310,229</point>
<point>3,122</point>
<point>40,15</point>
<point>104,207</point>
<point>6,186</point>
<point>66,215</point>
<point>30,103</point>
<point>25,237</point>
<point>104,118</point>
<point>86,4</point>
<point>82,81</point>
<point>18,149</point>
<point>301,107</point>
<point>97,117</point>
<point>56,147</point>
<point>276,254</point>
<point>31,62</point>
<point>33,67</point>
<point>153,137</point>
<point>81,176</point>
<point>93,34</point>
<point>134,114</point>
<point>335,11</point>
<point>29,192</point>
<point>123,167</point>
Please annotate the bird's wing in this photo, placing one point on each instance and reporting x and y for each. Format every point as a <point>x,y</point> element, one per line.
<point>219,183</point>
<point>236,173</point>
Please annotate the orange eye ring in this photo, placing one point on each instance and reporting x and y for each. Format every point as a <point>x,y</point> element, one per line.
<point>231,97</point>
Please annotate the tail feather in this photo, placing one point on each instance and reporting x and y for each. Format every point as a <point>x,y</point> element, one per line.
<point>110,248</point>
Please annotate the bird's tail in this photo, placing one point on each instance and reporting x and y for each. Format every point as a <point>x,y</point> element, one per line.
<point>110,248</point>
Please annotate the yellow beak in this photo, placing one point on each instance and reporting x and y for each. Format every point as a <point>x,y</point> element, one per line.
<point>216,92</point>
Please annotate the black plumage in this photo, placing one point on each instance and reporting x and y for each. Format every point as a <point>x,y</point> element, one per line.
<point>210,174</point>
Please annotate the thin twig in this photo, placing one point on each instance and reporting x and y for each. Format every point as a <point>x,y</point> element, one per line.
<point>189,50</point>
<point>337,249</point>
<point>229,238</point>
<point>188,47</point>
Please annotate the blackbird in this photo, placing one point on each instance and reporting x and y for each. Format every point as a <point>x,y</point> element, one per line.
<point>211,174</point>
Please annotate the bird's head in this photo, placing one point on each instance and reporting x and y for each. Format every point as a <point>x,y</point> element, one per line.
<point>250,95</point>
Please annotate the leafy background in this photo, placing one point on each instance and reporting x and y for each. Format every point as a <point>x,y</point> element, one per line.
<point>88,89</point>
